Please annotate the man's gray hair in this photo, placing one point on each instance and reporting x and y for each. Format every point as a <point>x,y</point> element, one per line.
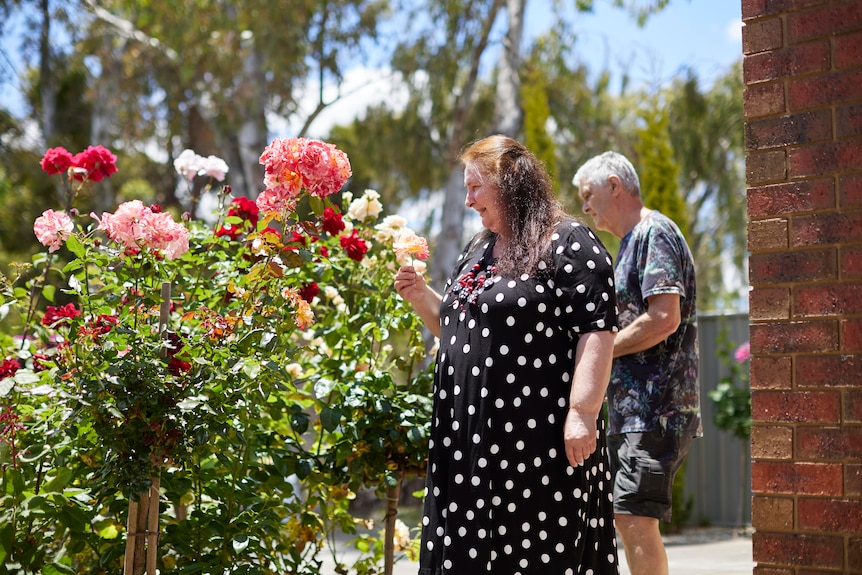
<point>598,169</point>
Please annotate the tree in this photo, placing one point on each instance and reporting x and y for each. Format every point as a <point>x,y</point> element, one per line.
<point>706,132</point>
<point>657,169</point>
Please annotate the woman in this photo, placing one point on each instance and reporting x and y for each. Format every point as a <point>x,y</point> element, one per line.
<point>518,479</point>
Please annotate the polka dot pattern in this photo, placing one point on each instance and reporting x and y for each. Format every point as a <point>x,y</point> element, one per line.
<point>501,497</point>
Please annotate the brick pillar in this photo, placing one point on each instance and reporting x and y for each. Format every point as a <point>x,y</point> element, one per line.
<point>803,108</point>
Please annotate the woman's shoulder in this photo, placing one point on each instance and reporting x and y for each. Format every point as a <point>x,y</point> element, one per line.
<point>571,227</point>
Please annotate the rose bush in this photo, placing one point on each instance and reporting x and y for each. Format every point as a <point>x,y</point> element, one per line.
<point>262,368</point>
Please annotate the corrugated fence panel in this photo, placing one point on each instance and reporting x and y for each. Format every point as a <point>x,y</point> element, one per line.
<point>718,468</point>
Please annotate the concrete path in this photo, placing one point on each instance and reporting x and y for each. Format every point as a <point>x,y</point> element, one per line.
<point>702,551</point>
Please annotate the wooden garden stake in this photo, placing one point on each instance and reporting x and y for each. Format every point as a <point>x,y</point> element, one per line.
<point>142,529</point>
<point>392,495</point>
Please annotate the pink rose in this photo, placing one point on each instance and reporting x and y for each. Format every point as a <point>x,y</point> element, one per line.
<point>135,225</point>
<point>52,228</point>
<point>743,352</point>
<point>214,167</point>
<point>408,244</point>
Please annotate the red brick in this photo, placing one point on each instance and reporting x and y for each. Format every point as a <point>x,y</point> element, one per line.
<point>791,61</point>
<point>834,443</point>
<point>794,266</point>
<point>828,371</point>
<point>854,554</point>
<point>824,90</point>
<point>792,197</point>
<point>827,300</point>
<point>824,158</point>
<point>771,373</point>
<point>848,50</point>
<point>769,303</point>
<point>763,100</point>
<point>851,335</point>
<point>772,513</point>
<point>851,261</point>
<point>826,228</point>
<point>798,549</point>
<point>759,570</point>
<point>765,235</point>
<point>850,188</point>
<point>756,8</point>
<point>771,442</point>
<point>765,167</point>
<point>795,478</point>
<point>795,406</point>
<point>794,337</point>
<point>853,406</point>
<point>801,128</point>
<point>853,480</point>
<point>762,35</point>
<point>834,18</point>
<point>830,515</point>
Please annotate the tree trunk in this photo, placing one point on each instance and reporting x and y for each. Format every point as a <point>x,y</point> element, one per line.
<point>47,90</point>
<point>449,243</point>
<point>509,115</point>
<point>104,114</point>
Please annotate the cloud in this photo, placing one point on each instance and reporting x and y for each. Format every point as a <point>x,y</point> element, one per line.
<point>734,31</point>
<point>360,88</point>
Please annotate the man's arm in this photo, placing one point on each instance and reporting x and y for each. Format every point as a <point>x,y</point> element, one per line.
<point>651,328</point>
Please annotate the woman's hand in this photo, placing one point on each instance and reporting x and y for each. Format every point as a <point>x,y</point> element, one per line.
<point>579,436</point>
<point>411,286</point>
<point>593,359</point>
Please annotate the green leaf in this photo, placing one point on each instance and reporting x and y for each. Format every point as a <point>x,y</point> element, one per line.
<point>323,386</point>
<point>48,292</point>
<point>109,532</point>
<point>75,246</point>
<point>240,542</point>
<point>330,418</point>
<point>6,385</point>
<point>57,569</point>
<point>316,205</point>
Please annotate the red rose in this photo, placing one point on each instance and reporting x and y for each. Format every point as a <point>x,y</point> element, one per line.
<point>308,291</point>
<point>354,245</point>
<point>332,222</point>
<point>8,367</point>
<point>56,161</point>
<point>98,163</point>
<point>55,314</point>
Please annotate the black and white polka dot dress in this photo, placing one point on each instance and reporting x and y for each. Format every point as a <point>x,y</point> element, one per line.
<point>500,496</point>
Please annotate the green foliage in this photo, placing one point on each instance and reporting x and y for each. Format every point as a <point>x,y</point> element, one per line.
<point>657,169</point>
<point>731,397</point>
<point>534,100</point>
<point>259,423</point>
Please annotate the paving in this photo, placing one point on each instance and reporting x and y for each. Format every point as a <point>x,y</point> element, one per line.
<point>700,551</point>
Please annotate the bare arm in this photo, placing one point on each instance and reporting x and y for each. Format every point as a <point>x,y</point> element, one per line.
<point>411,286</point>
<point>593,359</point>
<point>651,328</point>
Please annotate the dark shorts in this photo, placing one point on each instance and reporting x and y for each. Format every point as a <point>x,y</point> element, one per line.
<point>643,466</point>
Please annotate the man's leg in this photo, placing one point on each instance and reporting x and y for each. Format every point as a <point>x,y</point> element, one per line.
<point>645,553</point>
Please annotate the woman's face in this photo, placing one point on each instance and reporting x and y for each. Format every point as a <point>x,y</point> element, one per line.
<point>484,197</point>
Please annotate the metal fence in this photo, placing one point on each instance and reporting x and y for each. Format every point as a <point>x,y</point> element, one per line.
<point>718,467</point>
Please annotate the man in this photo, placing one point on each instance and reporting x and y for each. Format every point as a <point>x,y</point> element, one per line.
<point>653,398</point>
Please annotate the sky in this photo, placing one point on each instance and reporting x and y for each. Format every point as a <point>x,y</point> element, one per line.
<point>705,35</point>
<point>702,34</point>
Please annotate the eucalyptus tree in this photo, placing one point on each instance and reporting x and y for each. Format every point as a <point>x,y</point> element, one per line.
<point>706,132</point>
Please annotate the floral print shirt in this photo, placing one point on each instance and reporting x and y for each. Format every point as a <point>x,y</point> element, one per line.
<point>656,388</point>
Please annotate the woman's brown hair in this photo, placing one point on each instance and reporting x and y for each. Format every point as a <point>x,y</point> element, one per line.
<point>526,199</point>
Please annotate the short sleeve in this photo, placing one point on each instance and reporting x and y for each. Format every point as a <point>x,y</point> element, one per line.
<point>583,279</point>
<point>663,269</point>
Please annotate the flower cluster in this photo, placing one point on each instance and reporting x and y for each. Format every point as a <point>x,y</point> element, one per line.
<point>94,164</point>
<point>295,164</point>
<point>52,229</point>
<point>189,164</point>
<point>137,226</point>
<point>57,315</point>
